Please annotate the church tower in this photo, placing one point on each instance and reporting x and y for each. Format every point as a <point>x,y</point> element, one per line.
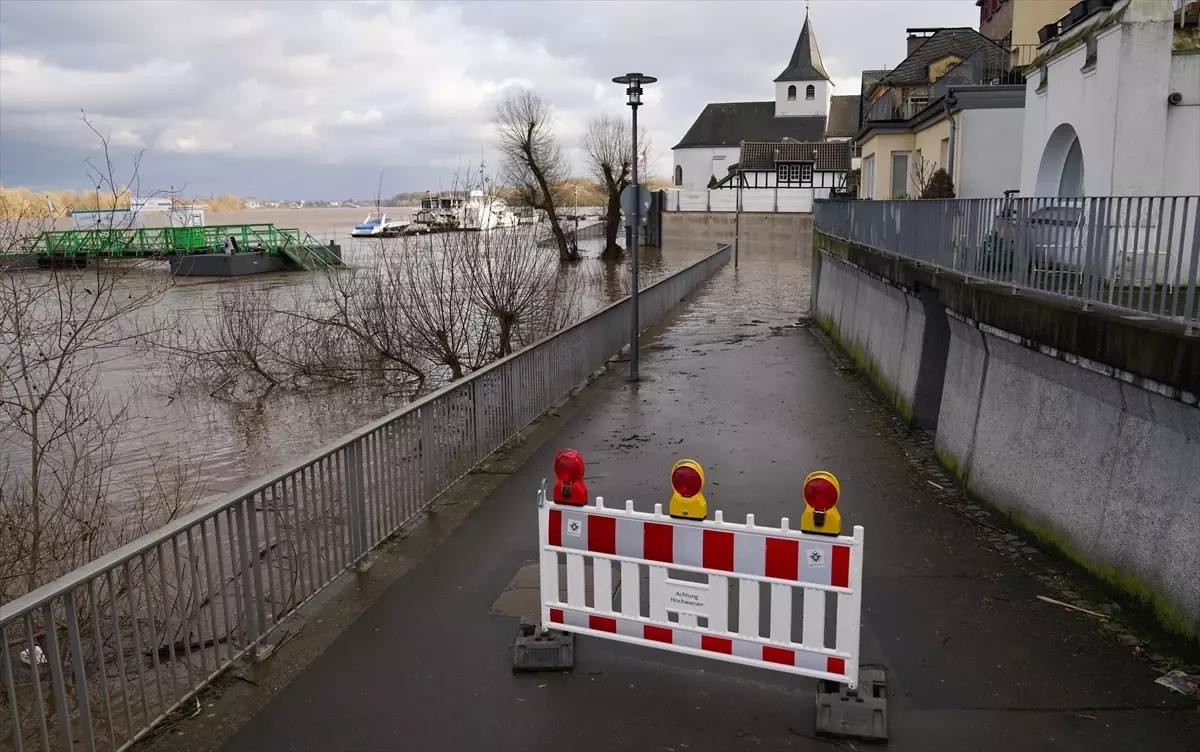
<point>803,89</point>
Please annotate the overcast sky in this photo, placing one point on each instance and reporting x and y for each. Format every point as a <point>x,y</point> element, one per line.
<point>312,99</point>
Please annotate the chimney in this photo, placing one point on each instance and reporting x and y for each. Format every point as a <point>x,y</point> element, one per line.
<point>917,37</point>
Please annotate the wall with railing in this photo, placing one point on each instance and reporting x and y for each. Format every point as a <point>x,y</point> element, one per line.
<point>99,657</point>
<point>785,200</point>
<point>1130,253</point>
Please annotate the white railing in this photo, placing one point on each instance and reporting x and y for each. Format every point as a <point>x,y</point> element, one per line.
<point>782,200</point>
<point>707,580</point>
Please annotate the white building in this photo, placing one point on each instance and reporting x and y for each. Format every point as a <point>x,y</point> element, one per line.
<point>799,112</point>
<point>1113,108</point>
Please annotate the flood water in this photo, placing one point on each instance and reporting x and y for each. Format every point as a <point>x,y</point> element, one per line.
<point>230,444</point>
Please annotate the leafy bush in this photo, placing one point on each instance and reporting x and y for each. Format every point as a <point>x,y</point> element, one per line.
<point>940,185</point>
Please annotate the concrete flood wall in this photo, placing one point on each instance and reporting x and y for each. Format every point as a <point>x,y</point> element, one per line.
<point>766,231</point>
<point>1090,445</point>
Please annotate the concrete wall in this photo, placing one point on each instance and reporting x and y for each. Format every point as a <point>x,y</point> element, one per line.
<point>991,139</point>
<point>701,163</point>
<point>891,333</point>
<point>1181,162</point>
<point>771,232</point>
<point>1105,470</point>
<point>1084,428</point>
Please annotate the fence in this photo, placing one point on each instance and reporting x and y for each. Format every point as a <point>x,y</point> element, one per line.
<point>698,571</point>
<point>100,656</point>
<point>1128,253</point>
<point>783,200</point>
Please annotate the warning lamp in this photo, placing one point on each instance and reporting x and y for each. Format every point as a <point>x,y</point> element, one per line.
<point>687,482</point>
<point>821,492</point>
<point>569,487</point>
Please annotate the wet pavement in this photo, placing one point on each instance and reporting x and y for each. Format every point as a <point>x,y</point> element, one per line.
<point>976,661</point>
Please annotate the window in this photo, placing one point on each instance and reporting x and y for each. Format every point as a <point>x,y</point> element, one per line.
<point>868,181</point>
<point>916,104</point>
<point>899,174</point>
<point>792,93</point>
<point>945,154</point>
<point>795,173</point>
<point>810,92</point>
<point>678,175</point>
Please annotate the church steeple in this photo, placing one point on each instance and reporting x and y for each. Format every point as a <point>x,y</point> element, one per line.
<point>805,64</point>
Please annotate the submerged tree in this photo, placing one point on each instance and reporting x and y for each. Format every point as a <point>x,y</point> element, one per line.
<point>533,166</point>
<point>608,150</point>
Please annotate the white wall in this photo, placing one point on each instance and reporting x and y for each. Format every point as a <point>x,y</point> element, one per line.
<point>988,158</point>
<point>1118,110</point>
<point>701,163</point>
<point>818,105</point>
<point>1181,158</point>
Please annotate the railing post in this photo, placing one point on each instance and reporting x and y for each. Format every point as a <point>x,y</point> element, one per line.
<point>479,414</point>
<point>428,454</point>
<point>356,486</point>
<point>75,645</point>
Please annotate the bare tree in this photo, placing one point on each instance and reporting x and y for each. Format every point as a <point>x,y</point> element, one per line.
<point>922,172</point>
<point>534,165</point>
<point>57,425</point>
<point>608,150</point>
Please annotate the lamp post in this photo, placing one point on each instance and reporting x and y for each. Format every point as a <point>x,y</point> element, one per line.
<point>633,83</point>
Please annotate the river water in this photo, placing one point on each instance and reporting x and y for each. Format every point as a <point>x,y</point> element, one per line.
<point>230,444</point>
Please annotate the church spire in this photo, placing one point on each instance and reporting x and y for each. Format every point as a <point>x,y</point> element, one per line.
<point>805,64</point>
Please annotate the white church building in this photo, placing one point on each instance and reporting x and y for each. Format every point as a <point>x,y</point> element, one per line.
<point>799,112</point>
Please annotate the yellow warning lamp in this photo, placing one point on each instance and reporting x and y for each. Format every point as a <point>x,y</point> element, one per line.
<point>821,493</point>
<point>687,482</point>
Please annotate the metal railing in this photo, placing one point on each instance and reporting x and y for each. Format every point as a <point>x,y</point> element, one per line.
<point>1129,253</point>
<point>100,656</point>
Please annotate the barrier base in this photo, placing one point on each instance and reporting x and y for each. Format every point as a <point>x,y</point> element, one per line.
<point>537,649</point>
<point>854,713</point>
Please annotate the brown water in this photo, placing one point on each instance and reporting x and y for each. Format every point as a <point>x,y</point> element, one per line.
<point>231,444</point>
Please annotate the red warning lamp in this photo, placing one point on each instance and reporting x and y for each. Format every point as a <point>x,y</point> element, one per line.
<point>686,481</point>
<point>820,493</point>
<point>569,487</point>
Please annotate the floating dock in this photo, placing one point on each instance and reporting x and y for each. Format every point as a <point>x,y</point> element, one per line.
<point>206,251</point>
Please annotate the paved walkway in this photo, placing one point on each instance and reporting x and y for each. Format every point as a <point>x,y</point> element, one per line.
<point>976,661</point>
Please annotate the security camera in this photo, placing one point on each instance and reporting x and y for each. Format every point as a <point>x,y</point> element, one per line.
<point>1175,98</point>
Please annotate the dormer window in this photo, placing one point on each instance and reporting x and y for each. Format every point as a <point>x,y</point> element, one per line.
<point>810,92</point>
<point>795,173</point>
<point>791,93</point>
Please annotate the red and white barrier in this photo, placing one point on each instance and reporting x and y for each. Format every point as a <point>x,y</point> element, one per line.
<point>695,569</point>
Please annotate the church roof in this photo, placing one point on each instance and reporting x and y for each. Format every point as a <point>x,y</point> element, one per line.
<point>827,156</point>
<point>843,117</point>
<point>730,123</point>
<point>805,64</point>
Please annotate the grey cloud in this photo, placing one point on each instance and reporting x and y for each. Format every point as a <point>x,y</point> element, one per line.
<point>249,96</point>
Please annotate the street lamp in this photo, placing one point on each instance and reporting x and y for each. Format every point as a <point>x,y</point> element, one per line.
<point>633,83</point>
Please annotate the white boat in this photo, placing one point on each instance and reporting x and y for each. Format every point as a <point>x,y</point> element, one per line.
<point>485,212</point>
<point>379,226</point>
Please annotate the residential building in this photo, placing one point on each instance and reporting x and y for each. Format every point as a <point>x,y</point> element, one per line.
<point>1113,105</point>
<point>954,103</point>
<point>790,164</point>
<point>799,112</point>
<point>1016,22</point>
